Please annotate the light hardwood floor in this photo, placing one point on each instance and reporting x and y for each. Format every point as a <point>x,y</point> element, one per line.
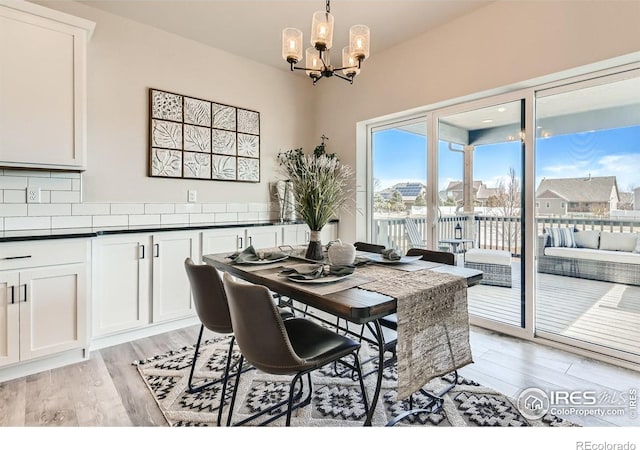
<point>107,390</point>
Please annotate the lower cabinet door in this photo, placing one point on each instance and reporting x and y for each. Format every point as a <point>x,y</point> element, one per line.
<point>52,309</point>
<point>9,318</point>
<point>171,289</point>
<point>264,237</point>
<point>120,283</point>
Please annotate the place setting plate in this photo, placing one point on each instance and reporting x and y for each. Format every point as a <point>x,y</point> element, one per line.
<point>403,260</point>
<point>263,261</point>
<point>321,280</point>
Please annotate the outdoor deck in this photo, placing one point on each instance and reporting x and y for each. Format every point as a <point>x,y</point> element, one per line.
<point>598,312</point>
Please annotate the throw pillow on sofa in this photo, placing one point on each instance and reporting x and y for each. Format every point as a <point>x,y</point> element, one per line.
<point>560,237</point>
<point>622,242</point>
<point>587,239</point>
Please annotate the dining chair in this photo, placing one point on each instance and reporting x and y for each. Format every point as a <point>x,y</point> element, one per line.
<point>210,301</point>
<point>296,346</point>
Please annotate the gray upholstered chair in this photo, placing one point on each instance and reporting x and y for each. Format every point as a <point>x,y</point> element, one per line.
<point>210,301</point>
<point>296,346</point>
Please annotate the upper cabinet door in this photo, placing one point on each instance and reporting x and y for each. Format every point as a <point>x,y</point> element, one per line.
<point>42,87</point>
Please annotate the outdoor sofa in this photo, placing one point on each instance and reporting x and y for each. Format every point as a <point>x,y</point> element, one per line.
<point>592,254</point>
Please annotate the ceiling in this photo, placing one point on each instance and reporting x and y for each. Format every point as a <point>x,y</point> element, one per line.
<point>252,28</point>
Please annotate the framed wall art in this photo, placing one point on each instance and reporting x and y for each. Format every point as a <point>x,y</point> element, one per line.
<point>202,139</point>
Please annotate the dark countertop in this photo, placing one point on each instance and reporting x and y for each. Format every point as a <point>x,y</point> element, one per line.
<point>68,233</point>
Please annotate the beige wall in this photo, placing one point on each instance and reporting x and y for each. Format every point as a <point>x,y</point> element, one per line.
<point>126,58</point>
<point>502,44</point>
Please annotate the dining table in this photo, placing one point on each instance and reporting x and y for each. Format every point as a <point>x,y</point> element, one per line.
<point>375,289</point>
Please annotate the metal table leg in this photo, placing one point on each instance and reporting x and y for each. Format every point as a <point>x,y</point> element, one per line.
<point>377,334</point>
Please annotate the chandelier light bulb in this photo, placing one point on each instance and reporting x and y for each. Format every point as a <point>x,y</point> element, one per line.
<point>350,63</point>
<point>322,30</point>
<point>292,45</point>
<point>359,41</point>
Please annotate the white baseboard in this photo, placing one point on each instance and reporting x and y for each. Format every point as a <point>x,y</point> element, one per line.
<point>149,330</point>
<point>22,369</point>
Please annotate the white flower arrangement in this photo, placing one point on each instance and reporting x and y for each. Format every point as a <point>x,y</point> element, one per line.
<point>321,184</point>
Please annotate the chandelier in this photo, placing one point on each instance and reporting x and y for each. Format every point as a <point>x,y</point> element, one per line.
<point>318,55</point>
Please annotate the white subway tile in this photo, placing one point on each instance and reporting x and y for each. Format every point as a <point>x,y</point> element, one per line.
<point>188,208</point>
<point>214,207</point>
<point>248,216</point>
<point>15,196</point>
<point>127,208</point>
<point>50,184</point>
<point>65,196</point>
<point>7,182</point>
<point>70,175</point>
<point>237,207</point>
<point>226,217</point>
<point>159,208</point>
<point>268,216</point>
<point>144,219</point>
<point>90,209</point>
<point>27,173</point>
<point>71,222</point>
<point>45,196</point>
<point>258,207</point>
<point>50,209</point>
<point>110,221</point>
<point>13,210</point>
<point>202,218</point>
<point>166,219</point>
<point>26,223</point>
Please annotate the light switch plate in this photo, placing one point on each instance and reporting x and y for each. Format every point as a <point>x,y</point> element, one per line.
<point>34,195</point>
<point>192,196</point>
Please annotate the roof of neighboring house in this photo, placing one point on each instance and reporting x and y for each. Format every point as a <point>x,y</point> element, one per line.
<point>458,186</point>
<point>408,191</point>
<point>585,189</point>
<point>551,194</point>
<point>485,192</point>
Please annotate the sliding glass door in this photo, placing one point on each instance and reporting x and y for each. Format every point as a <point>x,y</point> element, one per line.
<point>588,190</point>
<point>399,184</point>
<point>479,180</point>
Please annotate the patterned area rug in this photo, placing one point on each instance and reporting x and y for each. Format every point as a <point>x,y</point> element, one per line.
<point>336,400</point>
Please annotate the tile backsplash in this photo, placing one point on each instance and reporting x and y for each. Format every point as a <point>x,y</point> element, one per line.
<point>61,206</point>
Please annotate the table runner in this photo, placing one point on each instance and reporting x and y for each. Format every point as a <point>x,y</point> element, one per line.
<point>433,324</point>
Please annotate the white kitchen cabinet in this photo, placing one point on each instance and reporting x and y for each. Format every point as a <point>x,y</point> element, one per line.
<point>140,279</point>
<point>264,237</point>
<point>171,289</point>
<point>295,234</point>
<point>121,283</point>
<point>42,87</point>
<point>233,239</point>
<point>43,299</point>
<point>329,232</point>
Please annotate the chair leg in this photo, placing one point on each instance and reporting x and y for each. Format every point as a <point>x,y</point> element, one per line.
<point>191,389</point>
<point>290,402</point>
<point>235,390</point>
<point>226,379</point>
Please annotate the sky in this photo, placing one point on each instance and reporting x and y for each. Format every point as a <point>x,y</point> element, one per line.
<point>401,156</point>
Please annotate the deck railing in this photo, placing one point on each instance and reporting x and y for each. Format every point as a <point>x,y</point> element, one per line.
<point>492,232</point>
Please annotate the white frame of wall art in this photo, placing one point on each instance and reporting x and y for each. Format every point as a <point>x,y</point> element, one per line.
<point>201,139</point>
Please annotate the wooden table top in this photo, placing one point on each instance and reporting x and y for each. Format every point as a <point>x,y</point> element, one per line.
<point>353,304</point>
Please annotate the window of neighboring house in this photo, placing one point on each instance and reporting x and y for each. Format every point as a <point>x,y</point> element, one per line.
<point>548,205</point>
<point>562,204</point>
<point>537,204</point>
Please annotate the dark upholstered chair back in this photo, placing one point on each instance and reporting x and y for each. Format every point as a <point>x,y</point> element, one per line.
<point>367,247</point>
<point>209,297</point>
<point>432,255</point>
<point>259,329</point>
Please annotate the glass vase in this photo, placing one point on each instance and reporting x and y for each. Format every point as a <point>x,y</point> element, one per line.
<point>314,249</point>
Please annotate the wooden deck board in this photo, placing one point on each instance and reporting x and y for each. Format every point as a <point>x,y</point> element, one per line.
<point>598,312</point>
